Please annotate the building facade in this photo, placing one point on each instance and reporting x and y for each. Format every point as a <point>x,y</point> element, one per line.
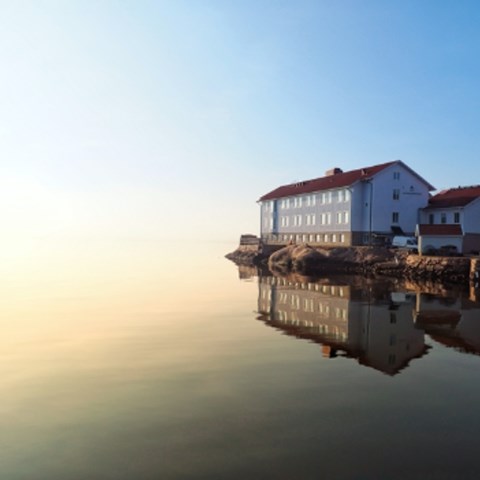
<point>358,207</point>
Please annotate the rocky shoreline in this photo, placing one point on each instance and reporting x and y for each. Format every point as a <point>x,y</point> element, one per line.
<point>377,261</point>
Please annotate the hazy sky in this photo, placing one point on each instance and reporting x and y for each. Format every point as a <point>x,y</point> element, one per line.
<point>168,119</point>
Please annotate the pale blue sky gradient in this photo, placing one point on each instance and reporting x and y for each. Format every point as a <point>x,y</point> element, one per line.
<point>167,119</point>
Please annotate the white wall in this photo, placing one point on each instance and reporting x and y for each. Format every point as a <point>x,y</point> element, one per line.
<point>437,241</point>
<point>413,196</point>
<point>471,223</point>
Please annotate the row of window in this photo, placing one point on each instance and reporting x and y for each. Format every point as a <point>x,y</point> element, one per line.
<point>310,305</point>
<point>444,218</point>
<point>318,238</point>
<point>341,218</point>
<point>311,200</point>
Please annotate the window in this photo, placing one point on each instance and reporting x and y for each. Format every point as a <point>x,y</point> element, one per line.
<point>396,193</point>
<point>456,217</point>
<point>334,238</point>
<point>341,195</point>
<point>346,217</point>
<point>347,195</point>
<point>329,197</point>
<point>396,175</point>
<point>310,200</point>
<point>395,217</point>
<point>325,238</point>
<point>342,238</point>
<point>339,217</point>
<point>443,217</point>
<point>431,218</point>
<point>328,218</point>
<point>284,221</point>
<point>319,238</point>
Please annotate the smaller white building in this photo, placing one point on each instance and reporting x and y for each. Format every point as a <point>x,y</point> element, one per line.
<point>436,237</point>
<point>452,217</point>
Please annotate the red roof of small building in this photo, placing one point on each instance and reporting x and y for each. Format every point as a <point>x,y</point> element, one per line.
<point>337,180</point>
<point>441,229</point>
<point>455,197</point>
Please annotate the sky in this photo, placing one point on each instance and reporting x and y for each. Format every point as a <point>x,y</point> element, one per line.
<point>169,119</point>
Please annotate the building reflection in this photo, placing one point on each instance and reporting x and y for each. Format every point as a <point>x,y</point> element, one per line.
<point>378,327</point>
<point>452,321</point>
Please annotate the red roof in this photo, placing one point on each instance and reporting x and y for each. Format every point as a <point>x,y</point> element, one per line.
<point>441,229</point>
<point>455,197</point>
<point>338,180</point>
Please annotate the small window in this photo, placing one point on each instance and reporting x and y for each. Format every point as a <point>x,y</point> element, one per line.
<point>396,193</point>
<point>456,217</point>
<point>342,238</point>
<point>334,238</point>
<point>395,217</point>
<point>431,219</point>
<point>443,218</point>
<point>396,175</point>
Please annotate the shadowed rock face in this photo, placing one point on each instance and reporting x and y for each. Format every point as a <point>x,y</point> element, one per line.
<point>306,260</point>
<point>297,258</point>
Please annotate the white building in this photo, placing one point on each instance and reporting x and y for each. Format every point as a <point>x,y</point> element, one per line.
<point>452,217</point>
<point>357,207</point>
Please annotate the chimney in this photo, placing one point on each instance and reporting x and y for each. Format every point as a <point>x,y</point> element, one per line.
<point>333,171</point>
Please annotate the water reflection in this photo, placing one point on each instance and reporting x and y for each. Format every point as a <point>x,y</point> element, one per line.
<point>381,325</point>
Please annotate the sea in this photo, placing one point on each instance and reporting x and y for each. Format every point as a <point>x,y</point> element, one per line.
<point>136,359</point>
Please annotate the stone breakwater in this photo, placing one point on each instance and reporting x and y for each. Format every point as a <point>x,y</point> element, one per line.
<point>306,260</point>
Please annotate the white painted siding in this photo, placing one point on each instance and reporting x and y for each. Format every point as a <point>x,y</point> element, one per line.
<point>413,195</point>
<point>471,220</point>
<point>437,241</point>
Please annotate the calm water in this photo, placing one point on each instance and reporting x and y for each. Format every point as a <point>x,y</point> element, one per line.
<point>133,360</point>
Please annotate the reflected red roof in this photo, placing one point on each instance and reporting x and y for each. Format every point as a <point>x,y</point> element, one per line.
<point>338,180</point>
<point>442,229</point>
<point>455,197</point>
